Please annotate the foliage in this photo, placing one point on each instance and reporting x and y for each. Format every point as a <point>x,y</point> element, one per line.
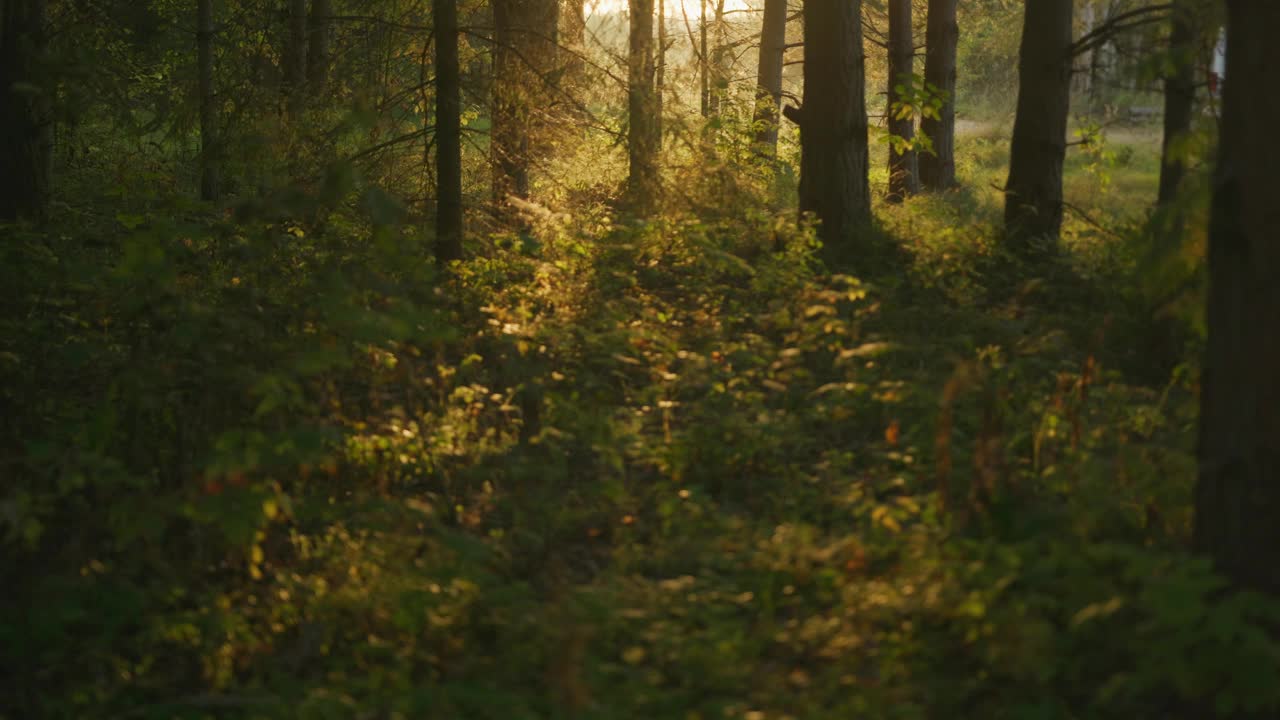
<point>263,459</point>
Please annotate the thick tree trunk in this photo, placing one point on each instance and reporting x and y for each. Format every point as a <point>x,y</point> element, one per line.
<point>642,136</point>
<point>1238,495</point>
<point>210,151</point>
<point>1179,101</point>
<point>904,168</point>
<point>448,134</point>
<point>524,56</point>
<point>833,121</point>
<point>1033,194</point>
<point>938,169</point>
<point>295,52</point>
<point>773,42</point>
<point>25,129</point>
<point>318,45</point>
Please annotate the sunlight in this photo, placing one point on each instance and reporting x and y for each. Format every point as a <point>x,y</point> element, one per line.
<point>673,7</point>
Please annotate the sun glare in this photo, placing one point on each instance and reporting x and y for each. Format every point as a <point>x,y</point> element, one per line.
<point>673,7</point>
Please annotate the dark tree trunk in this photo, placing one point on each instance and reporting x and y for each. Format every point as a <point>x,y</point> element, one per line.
<point>25,129</point>
<point>524,57</point>
<point>1238,495</point>
<point>295,52</point>
<point>773,41</point>
<point>938,169</point>
<point>448,133</point>
<point>1033,194</point>
<point>642,137</point>
<point>318,45</point>
<point>903,166</point>
<point>833,121</point>
<point>1179,101</point>
<point>210,151</point>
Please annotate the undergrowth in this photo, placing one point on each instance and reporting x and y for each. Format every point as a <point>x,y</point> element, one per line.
<point>273,465</point>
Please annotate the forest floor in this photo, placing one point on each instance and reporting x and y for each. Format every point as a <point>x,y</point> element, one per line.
<point>687,470</point>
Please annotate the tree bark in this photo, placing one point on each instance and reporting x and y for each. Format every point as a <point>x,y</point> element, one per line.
<point>448,133</point>
<point>642,135</point>
<point>210,151</point>
<point>25,123</point>
<point>833,121</point>
<point>1033,193</point>
<point>773,42</point>
<point>938,169</point>
<point>1179,101</point>
<point>524,57</point>
<point>1238,494</point>
<point>904,168</point>
<point>318,45</point>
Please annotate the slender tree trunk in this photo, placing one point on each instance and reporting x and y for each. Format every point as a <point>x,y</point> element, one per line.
<point>1033,193</point>
<point>661,68</point>
<point>318,45</point>
<point>642,136</point>
<point>210,151</point>
<point>704,62</point>
<point>1179,101</point>
<point>295,53</point>
<point>448,133</point>
<point>1238,495</point>
<point>25,124</point>
<point>718,84</point>
<point>773,42</point>
<point>574,38</point>
<point>903,166</point>
<point>1082,80</point>
<point>938,169</point>
<point>524,56</point>
<point>833,121</point>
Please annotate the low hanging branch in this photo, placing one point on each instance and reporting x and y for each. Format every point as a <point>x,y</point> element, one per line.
<point>1118,24</point>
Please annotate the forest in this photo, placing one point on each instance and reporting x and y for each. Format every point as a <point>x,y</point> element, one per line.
<point>611,359</point>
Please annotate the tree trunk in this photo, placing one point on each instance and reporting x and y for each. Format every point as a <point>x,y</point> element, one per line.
<point>25,137</point>
<point>704,62</point>
<point>903,166</point>
<point>773,42</point>
<point>833,121</point>
<point>1033,194</point>
<point>1238,495</point>
<point>938,169</point>
<point>295,53</point>
<point>318,45</point>
<point>448,134</point>
<point>574,39</point>
<point>524,56</point>
<point>1179,101</point>
<point>718,84</point>
<point>642,136</point>
<point>210,151</point>
<point>660,70</point>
